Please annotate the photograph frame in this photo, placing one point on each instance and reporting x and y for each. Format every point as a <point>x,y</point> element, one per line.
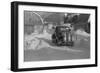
<point>14,35</point>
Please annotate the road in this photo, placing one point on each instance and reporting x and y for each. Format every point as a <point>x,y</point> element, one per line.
<point>80,50</point>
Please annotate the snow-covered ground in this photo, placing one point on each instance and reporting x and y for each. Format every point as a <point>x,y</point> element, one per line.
<point>35,41</point>
<point>39,47</point>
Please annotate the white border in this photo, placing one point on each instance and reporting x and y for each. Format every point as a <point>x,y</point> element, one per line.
<point>22,64</point>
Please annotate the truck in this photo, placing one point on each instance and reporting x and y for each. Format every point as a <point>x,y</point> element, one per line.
<point>63,36</point>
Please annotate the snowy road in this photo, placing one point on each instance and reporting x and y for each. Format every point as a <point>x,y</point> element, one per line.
<point>43,49</point>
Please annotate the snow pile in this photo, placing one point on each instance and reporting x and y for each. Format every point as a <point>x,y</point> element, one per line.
<point>82,33</point>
